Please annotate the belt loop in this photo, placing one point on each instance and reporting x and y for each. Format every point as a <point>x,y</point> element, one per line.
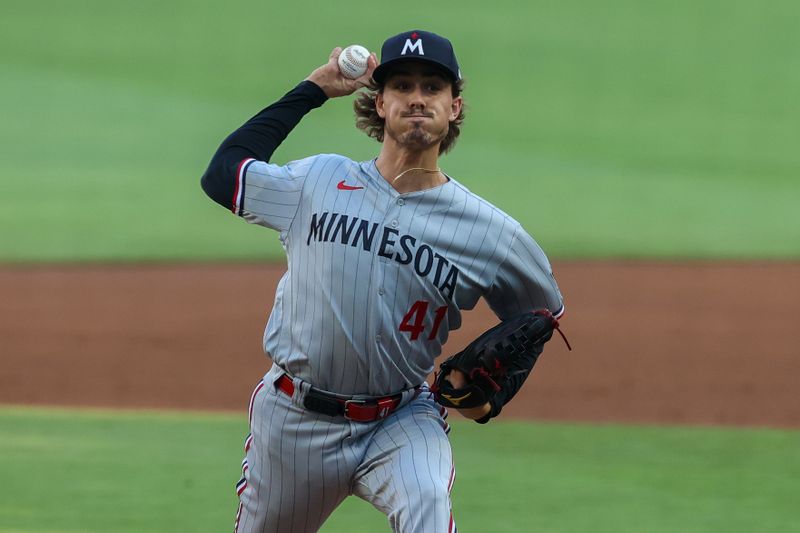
<point>301,388</point>
<point>409,395</point>
<point>273,375</point>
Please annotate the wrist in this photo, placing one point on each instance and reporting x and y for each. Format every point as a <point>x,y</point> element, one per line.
<point>314,91</point>
<point>317,82</point>
<point>474,413</point>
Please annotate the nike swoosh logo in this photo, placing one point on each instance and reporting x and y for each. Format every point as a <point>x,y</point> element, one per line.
<point>342,186</point>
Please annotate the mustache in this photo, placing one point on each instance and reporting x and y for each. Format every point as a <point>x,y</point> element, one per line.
<point>417,114</point>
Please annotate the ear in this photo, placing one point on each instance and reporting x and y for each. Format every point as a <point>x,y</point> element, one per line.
<point>379,105</point>
<point>455,108</point>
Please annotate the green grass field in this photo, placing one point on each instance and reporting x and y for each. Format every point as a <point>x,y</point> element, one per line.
<point>635,129</point>
<point>87,471</point>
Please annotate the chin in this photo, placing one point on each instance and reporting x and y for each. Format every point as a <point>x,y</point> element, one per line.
<point>421,138</point>
<point>416,138</point>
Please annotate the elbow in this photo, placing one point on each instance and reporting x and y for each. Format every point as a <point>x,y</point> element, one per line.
<point>215,185</point>
<point>206,181</point>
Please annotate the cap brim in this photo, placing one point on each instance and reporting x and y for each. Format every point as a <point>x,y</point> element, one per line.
<point>384,69</point>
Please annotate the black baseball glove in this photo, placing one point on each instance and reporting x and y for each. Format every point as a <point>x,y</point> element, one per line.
<point>501,357</point>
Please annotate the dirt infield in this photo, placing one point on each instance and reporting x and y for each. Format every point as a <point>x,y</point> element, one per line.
<point>698,343</point>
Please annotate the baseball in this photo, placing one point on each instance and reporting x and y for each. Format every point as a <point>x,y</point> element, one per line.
<point>353,61</point>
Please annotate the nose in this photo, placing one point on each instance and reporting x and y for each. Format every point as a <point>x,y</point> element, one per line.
<point>416,99</point>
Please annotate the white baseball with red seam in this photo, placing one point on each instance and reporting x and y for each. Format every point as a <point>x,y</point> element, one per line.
<point>353,61</point>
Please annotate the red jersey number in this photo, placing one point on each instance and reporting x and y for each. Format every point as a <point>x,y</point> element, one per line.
<point>414,321</point>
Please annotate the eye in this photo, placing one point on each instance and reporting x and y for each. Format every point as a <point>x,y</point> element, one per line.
<point>434,85</point>
<point>400,85</point>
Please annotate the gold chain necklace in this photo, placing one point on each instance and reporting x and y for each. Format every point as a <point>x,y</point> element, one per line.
<point>428,170</point>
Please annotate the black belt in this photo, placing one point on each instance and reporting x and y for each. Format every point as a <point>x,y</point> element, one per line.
<point>355,409</point>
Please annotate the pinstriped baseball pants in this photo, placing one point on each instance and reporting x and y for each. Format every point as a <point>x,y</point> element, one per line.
<point>300,465</point>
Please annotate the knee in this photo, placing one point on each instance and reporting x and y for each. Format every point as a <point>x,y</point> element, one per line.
<point>431,499</point>
<point>427,509</point>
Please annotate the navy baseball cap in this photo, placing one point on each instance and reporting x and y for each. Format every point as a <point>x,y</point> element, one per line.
<point>417,45</point>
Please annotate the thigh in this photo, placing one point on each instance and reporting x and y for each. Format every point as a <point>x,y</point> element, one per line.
<point>408,470</point>
<point>295,471</point>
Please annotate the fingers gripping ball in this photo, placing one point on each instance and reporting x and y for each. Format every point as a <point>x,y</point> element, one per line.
<point>353,61</point>
<point>488,360</point>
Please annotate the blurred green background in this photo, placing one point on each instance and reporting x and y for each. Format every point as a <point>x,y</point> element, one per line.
<point>613,129</point>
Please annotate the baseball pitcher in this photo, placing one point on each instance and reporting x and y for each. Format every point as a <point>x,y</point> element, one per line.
<point>382,257</point>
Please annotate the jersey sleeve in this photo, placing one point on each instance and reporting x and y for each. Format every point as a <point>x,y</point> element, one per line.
<point>267,194</point>
<point>524,281</point>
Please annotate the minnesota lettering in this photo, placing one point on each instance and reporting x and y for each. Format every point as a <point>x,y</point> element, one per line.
<point>405,249</point>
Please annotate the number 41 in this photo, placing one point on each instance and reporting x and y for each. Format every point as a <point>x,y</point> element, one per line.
<point>413,322</point>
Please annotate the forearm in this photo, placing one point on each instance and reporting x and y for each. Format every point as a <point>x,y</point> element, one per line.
<point>258,138</point>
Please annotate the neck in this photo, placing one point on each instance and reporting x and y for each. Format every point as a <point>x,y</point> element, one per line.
<point>394,162</point>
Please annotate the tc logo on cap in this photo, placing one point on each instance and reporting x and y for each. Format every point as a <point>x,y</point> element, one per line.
<point>413,47</point>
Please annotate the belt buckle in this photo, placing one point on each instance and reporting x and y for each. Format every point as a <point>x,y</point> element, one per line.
<point>367,410</point>
<point>354,411</point>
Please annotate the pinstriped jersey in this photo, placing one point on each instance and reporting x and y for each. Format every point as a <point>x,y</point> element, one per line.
<point>376,279</point>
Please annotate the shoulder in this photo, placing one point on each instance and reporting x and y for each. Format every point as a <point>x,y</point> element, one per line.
<point>336,159</point>
<point>483,209</point>
<point>315,167</point>
<point>326,166</point>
